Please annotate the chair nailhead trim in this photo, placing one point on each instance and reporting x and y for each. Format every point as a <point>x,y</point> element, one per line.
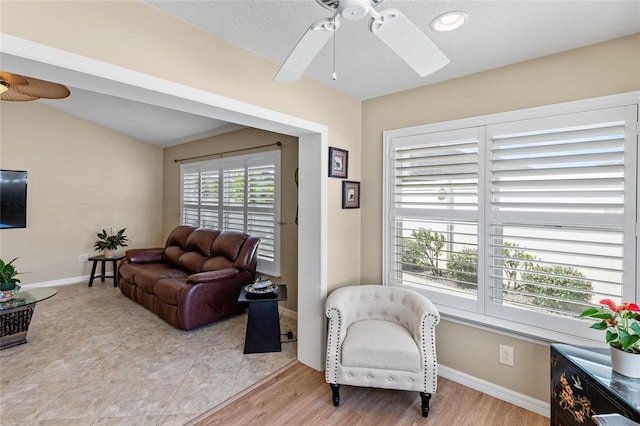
<point>336,343</point>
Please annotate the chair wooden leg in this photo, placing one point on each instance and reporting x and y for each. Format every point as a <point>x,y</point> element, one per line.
<point>335,395</point>
<point>425,397</point>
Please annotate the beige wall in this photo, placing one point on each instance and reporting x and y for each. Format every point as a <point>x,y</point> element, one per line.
<point>242,139</point>
<point>81,178</point>
<point>598,70</point>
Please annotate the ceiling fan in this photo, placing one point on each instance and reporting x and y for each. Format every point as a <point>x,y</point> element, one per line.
<point>389,25</point>
<point>14,87</point>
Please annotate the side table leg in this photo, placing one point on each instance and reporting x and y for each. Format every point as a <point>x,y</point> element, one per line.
<point>93,273</point>
<point>115,273</point>
<point>103,269</point>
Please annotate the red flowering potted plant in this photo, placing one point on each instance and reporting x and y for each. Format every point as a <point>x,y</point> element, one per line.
<point>622,326</point>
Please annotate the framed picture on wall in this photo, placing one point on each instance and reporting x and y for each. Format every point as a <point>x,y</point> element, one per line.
<point>350,195</point>
<point>338,163</point>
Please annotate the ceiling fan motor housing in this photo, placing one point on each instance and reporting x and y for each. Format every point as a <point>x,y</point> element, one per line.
<point>354,9</point>
<point>350,9</point>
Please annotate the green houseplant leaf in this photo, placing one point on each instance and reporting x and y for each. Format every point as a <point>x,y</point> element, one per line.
<point>7,275</point>
<point>111,240</point>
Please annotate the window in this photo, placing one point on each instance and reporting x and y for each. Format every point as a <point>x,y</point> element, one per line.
<point>237,194</point>
<point>521,218</point>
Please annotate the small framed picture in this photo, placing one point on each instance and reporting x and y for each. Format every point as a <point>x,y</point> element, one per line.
<point>338,163</point>
<point>350,195</point>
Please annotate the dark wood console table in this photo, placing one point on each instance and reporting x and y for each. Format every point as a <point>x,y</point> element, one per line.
<point>583,385</point>
<point>263,323</point>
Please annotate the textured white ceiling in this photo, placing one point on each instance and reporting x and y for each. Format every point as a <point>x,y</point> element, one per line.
<point>499,33</point>
<point>150,123</point>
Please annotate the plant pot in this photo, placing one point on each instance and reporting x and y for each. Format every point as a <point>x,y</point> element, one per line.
<point>6,295</point>
<point>625,363</point>
<point>109,253</point>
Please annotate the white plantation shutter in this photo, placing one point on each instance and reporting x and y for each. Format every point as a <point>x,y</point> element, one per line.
<point>435,197</point>
<point>237,193</point>
<point>209,198</point>
<point>261,208</point>
<point>521,222</point>
<point>558,195</point>
<point>190,196</point>
<point>233,198</point>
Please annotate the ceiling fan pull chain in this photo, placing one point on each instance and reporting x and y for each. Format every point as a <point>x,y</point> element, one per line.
<point>334,75</point>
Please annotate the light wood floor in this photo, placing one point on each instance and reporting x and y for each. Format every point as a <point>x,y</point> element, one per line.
<point>300,396</point>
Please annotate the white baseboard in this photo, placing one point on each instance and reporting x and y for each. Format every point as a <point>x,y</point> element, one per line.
<point>504,394</point>
<point>55,283</point>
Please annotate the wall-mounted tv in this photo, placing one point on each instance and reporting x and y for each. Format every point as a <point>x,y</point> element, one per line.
<point>13,199</point>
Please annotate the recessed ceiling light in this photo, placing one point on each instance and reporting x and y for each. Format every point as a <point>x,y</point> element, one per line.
<point>449,21</point>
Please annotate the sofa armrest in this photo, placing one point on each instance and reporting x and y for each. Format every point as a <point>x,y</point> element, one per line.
<point>212,276</point>
<point>148,255</point>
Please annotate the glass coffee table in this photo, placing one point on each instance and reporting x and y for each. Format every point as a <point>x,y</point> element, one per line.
<point>15,315</point>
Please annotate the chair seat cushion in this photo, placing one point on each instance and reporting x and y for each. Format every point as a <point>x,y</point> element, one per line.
<point>380,344</point>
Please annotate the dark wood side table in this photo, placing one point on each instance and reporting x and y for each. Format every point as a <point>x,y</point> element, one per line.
<point>583,385</point>
<point>263,323</point>
<point>102,259</point>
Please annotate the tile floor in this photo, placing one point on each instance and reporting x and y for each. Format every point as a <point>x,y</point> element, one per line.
<point>95,357</point>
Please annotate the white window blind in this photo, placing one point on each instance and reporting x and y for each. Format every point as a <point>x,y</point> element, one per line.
<point>524,221</point>
<point>240,194</point>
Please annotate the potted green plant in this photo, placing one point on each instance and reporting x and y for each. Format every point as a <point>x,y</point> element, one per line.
<point>8,282</point>
<point>109,241</point>
<point>622,326</point>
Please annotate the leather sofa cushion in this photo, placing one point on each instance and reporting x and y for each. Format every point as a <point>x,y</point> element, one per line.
<point>179,236</point>
<point>201,241</point>
<point>192,261</point>
<point>216,263</point>
<point>198,247</point>
<point>380,344</point>
<point>168,290</point>
<point>172,255</point>
<point>229,246</point>
<point>145,275</point>
<point>221,274</point>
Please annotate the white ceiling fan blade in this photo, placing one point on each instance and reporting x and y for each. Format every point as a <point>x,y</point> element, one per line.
<point>307,48</point>
<point>404,38</point>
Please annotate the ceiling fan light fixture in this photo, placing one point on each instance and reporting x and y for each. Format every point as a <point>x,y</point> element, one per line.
<point>449,21</point>
<point>3,88</point>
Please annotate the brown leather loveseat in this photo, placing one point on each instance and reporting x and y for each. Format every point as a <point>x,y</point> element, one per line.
<point>195,279</point>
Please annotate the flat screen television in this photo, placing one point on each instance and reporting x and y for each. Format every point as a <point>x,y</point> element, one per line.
<point>13,199</point>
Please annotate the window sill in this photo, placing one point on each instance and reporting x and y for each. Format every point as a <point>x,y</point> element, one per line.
<point>512,329</point>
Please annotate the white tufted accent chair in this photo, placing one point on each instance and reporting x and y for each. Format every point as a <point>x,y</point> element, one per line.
<point>381,337</point>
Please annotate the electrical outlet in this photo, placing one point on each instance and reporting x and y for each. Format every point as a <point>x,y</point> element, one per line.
<point>83,258</point>
<point>506,355</point>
